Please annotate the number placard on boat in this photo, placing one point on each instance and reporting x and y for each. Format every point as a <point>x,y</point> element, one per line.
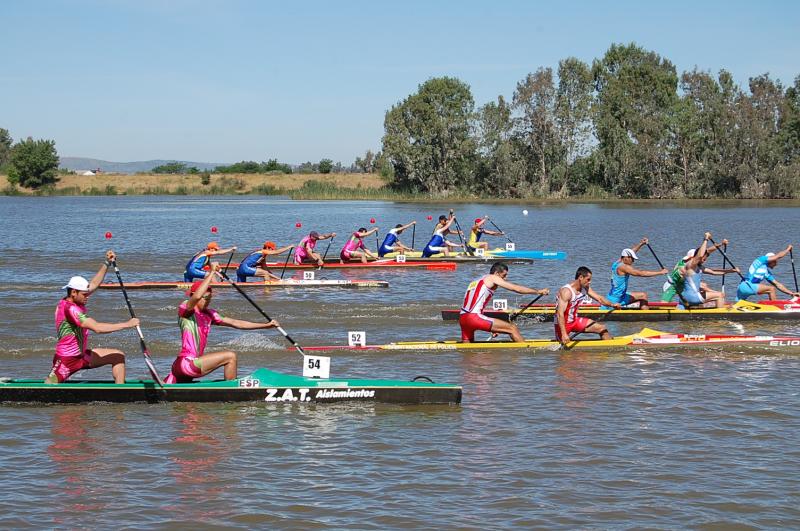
<point>400,259</point>
<point>511,246</point>
<point>308,275</point>
<point>316,366</point>
<point>480,251</point>
<point>356,339</point>
<point>499,305</point>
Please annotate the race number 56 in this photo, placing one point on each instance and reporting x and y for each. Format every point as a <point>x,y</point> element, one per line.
<point>500,305</point>
<point>316,366</point>
<point>357,339</point>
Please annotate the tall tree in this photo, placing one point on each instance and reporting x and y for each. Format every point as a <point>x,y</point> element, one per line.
<point>535,103</point>
<point>5,147</point>
<point>636,98</point>
<point>573,114</point>
<point>428,137</point>
<point>34,163</point>
<point>502,166</point>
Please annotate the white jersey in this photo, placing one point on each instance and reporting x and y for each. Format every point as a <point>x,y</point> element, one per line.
<point>574,304</point>
<point>477,296</point>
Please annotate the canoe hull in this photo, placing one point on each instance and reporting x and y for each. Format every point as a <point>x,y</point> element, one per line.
<point>741,311</point>
<point>290,283</point>
<point>261,386</point>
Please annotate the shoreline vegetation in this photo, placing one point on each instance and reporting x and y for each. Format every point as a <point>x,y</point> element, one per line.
<point>314,186</point>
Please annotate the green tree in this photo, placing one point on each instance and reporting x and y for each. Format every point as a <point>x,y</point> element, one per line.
<point>427,138</point>
<point>171,168</point>
<point>325,166</point>
<point>636,100</point>
<point>502,167</point>
<point>535,102</point>
<point>573,101</point>
<point>34,163</point>
<point>5,148</point>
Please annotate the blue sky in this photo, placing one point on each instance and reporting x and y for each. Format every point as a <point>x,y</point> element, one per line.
<point>252,80</point>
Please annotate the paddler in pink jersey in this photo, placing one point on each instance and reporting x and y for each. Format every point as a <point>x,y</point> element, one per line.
<point>72,331</point>
<point>304,252</point>
<point>478,295</point>
<point>195,318</point>
<point>355,249</point>
<point>568,302</point>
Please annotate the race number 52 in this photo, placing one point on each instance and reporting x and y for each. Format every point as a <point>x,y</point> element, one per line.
<point>316,366</point>
<point>499,305</point>
<point>357,339</point>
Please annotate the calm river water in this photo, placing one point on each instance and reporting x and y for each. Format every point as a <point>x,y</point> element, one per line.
<point>555,440</point>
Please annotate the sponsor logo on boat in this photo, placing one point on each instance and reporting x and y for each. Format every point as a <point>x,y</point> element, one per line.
<point>345,393</point>
<point>302,395</point>
<point>785,343</point>
<point>288,395</point>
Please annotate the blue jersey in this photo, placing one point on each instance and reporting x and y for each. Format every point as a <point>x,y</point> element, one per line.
<point>759,271</point>
<point>194,267</point>
<point>388,243</point>
<point>434,246</point>
<point>619,284</point>
<point>252,259</point>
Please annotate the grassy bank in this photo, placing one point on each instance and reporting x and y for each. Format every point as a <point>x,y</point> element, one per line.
<point>343,187</point>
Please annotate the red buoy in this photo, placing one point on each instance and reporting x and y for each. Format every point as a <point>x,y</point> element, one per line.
<point>372,220</point>
<point>108,235</point>
<point>430,218</point>
<point>214,229</point>
<point>298,225</point>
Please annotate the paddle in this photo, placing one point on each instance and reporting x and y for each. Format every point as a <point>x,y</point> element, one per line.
<point>145,352</point>
<point>458,228</point>
<point>262,312</point>
<point>229,260</point>
<point>794,273</point>
<point>518,313</point>
<point>413,234</point>
<point>724,260</point>
<point>677,292</point>
<point>500,230</point>
<point>326,253</point>
<point>286,263</point>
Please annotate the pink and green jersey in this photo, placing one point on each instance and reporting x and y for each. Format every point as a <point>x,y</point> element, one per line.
<point>195,325</point>
<point>72,340</point>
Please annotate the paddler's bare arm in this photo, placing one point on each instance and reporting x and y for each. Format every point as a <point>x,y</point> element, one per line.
<point>247,325</point>
<point>599,298</point>
<point>519,289</point>
<point>562,301</point>
<point>107,328</point>
<point>644,241</point>
<point>785,289</point>
<point>630,270</point>
<point>197,295</point>
<point>222,251</point>
<point>97,279</point>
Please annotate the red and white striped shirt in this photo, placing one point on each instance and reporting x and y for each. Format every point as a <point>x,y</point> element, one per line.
<point>575,302</point>
<point>477,296</point>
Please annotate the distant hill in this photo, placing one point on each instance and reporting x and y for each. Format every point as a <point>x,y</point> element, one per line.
<point>81,163</point>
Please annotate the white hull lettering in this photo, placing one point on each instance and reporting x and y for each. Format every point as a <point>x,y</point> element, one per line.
<point>288,395</point>
<point>345,393</point>
<point>785,343</point>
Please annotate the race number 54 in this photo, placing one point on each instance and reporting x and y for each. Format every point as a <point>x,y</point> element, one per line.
<point>316,366</point>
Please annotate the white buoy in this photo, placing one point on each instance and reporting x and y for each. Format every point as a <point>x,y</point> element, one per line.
<point>524,212</point>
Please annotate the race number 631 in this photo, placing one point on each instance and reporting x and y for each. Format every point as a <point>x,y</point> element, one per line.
<point>500,305</point>
<point>356,339</point>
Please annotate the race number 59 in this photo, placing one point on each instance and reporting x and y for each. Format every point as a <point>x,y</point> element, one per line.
<point>499,305</point>
<point>316,366</point>
<point>308,275</point>
<point>357,339</point>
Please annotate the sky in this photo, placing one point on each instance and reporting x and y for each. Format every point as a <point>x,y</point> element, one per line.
<point>223,81</point>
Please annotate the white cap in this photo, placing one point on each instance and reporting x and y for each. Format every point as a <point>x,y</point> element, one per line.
<point>78,283</point>
<point>629,252</point>
<point>769,254</point>
<point>689,254</point>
